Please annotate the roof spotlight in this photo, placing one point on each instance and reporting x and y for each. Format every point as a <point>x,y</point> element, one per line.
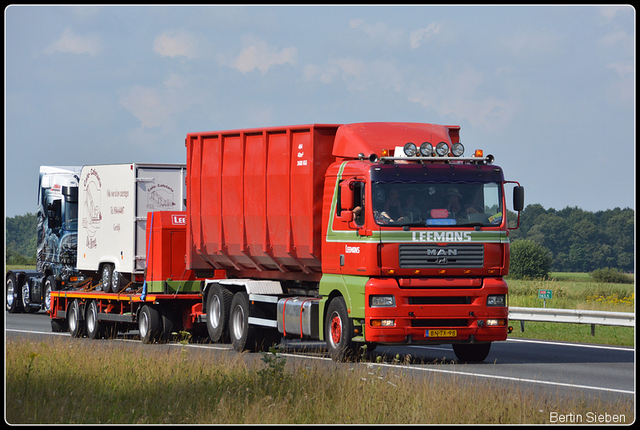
<point>442,149</point>
<point>426,149</point>
<point>457,149</point>
<point>410,149</point>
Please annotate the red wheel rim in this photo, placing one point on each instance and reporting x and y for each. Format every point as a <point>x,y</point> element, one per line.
<point>336,329</point>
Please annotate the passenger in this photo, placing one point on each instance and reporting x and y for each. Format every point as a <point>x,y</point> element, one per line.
<point>411,210</point>
<point>454,205</point>
<point>393,208</point>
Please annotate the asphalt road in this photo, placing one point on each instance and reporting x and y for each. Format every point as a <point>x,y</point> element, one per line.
<point>593,371</point>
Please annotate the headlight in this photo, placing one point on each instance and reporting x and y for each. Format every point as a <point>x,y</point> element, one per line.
<point>382,301</point>
<point>442,149</point>
<point>457,149</point>
<point>410,149</point>
<point>497,300</point>
<point>426,149</point>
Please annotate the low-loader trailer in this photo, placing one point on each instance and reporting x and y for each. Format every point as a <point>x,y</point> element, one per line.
<point>355,234</point>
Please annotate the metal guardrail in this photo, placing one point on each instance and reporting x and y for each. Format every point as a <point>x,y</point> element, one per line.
<point>575,316</point>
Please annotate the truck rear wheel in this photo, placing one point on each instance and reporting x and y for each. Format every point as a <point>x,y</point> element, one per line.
<point>149,324</point>
<point>244,337</point>
<point>14,300</point>
<point>26,298</point>
<point>338,331</point>
<point>472,352</point>
<point>218,308</point>
<point>76,323</point>
<point>49,286</point>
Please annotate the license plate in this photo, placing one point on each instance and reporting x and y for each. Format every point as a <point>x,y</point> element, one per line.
<point>442,333</point>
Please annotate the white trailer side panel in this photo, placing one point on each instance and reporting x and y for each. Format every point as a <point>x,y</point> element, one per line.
<point>113,203</point>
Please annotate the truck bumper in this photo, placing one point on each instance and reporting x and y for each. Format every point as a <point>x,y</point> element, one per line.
<point>435,311</point>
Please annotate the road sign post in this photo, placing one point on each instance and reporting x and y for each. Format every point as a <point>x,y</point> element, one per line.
<point>544,295</point>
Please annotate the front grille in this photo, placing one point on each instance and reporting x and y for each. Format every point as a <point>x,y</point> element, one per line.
<point>432,256</point>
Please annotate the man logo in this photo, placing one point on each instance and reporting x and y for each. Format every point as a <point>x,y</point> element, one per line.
<point>439,252</point>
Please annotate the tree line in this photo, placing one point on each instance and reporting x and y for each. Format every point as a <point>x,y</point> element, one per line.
<point>578,240</point>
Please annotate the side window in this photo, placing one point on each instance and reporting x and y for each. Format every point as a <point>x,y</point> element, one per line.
<point>358,202</point>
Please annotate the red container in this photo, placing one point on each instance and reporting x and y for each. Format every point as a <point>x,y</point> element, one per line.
<point>254,200</point>
<point>166,242</point>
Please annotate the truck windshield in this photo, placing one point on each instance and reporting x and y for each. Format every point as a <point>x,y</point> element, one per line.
<point>437,204</point>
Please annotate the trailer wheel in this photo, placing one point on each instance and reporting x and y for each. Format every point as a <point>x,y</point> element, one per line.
<point>14,300</point>
<point>218,307</point>
<point>244,337</point>
<point>338,330</point>
<point>472,352</point>
<point>95,329</point>
<point>76,323</point>
<point>149,324</point>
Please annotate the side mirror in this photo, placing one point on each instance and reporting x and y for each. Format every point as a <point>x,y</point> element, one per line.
<point>518,199</point>
<point>346,196</point>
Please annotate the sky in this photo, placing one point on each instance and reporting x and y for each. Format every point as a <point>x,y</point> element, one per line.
<point>548,90</point>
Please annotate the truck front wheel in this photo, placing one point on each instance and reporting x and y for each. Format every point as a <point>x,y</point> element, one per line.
<point>338,331</point>
<point>14,301</point>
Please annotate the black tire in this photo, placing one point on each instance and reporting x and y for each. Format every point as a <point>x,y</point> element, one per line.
<point>105,280</point>
<point>474,352</point>
<point>14,295</point>
<point>95,328</point>
<point>244,337</point>
<point>338,330</point>
<point>26,298</point>
<point>171,322</point>
<point>149,324</point>
<point>218,307</point>
<point>74,316</point>
<point>49,286</point>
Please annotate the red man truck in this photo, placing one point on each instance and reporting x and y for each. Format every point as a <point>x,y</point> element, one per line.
<point>355,234</point>
<point>370,233</point>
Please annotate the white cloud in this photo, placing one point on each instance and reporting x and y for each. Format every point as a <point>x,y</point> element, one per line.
<point>461,98</point>
<point>422,35</point>
<point>257,54</point>
<point>378,32</point>
<point>359,75</point>
<point>71,43</point>
<point>161,107</point>
<point>175,43</point>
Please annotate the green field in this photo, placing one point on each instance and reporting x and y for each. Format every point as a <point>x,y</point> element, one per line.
<point>574,291</point>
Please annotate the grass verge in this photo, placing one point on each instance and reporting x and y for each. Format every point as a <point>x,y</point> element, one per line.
<point>61,381</point>
<point>574,291</point>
